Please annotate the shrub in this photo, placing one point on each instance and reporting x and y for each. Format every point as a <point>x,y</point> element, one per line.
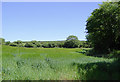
<point>60,45</point>
<point>38,44</point>
<point>33,41</point>
<point>18,42</point>
<point>29,45</point>
<point>114,54</point>
<point>13,44</point>
<point>7,42</point>
<point>45,45</point>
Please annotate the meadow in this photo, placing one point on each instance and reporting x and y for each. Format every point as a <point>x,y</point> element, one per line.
<point>97,58</point>
<point>20,63</point>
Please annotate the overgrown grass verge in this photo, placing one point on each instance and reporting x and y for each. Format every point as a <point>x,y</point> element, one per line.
<point>54,64</point>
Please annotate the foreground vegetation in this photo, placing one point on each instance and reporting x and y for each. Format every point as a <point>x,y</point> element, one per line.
<point>0,62</point>
<point>64,60</point>
<point>55,64</point>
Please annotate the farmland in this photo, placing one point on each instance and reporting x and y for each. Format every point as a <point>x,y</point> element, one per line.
<point>20,63</point>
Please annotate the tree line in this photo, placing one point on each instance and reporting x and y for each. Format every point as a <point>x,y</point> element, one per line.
<point>71,42</point>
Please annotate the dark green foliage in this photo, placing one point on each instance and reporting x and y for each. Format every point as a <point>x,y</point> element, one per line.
<point>71,42</point>
<point>18,42</point>
<point>114,54</point>
<point>45,45</point>
<point>60,45</point>
<point>84,44</point>
<point>72,37</point>
<point>30,45</point>
<point>38,44</point>
<point>104,27</point>
<point>7,42</point>
<point>34,42</point>
<point>13,44</point>
<point>51,44</point>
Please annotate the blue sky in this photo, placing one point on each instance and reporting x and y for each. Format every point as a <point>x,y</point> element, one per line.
<point>45,21</point>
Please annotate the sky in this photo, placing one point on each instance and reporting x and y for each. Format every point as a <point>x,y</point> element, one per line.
<point>54,0</point>
<point>45,21</point>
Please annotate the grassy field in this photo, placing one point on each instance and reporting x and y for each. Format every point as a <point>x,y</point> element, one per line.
<point>53,64</point>
<point>0,63</point>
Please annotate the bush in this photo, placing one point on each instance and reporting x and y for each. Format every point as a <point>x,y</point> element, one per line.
<point>60,45</point>
<point>50,45</point>
<point>18,42</point>
<point>114,54</point>
<point>45,45</point>
<point>33,41</point>
<point>38,45</point>
<point>7,43</point>
<point>29,45</point>
<point>13,44</point>
<point>69,43</point>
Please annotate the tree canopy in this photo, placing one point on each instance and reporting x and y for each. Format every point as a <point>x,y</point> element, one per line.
<point>71,42</point>
<point>103,27</point>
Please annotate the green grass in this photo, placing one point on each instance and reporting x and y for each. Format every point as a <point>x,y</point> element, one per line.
<point>0,62</point>
<point>49,64</point>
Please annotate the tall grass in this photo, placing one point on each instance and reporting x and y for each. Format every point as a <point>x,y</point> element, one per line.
<point>0,62</point>
<point>47,64</point>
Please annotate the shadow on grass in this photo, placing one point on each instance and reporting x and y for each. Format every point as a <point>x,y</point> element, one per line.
<point>99,71</point>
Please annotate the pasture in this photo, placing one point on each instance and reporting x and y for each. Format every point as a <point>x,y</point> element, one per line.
<point>20,63</point>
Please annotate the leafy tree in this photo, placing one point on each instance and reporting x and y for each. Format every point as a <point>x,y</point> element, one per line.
<point>103,27</point>
<point>71,42</point>
<point>29,45</point>
<point>45,45</point>
<point>7,42</point>
<point>18,42</point>
<point>50,45</point>
<point>60,45</point>
<point>38,44</point>
<point>34,41</point>
<point>13,44</point>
